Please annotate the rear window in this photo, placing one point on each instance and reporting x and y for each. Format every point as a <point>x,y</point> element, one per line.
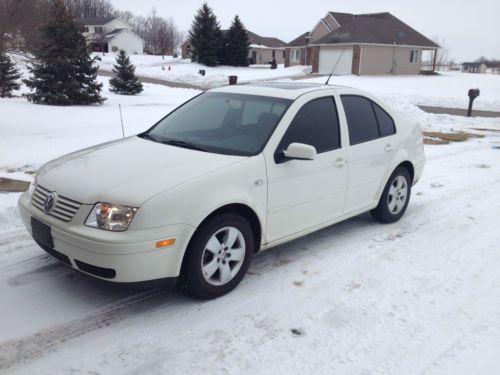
<point>385,122</point>
<point>366,120</point>
<point>361,119</point>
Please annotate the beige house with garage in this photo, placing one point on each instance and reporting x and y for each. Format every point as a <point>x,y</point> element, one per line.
<point>363,44</point>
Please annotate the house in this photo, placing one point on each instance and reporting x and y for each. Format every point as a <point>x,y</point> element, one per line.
<point>262,49</point>
<point>474,67</point>
<point>362,44</point>
<point>106,34</point>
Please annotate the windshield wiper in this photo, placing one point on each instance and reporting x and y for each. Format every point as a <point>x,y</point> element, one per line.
<point>147,136</point>
<point>174,142</point>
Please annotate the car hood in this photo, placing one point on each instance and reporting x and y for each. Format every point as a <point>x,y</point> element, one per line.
<point>128,171</point>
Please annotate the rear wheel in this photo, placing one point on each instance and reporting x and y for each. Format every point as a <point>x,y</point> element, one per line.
<point>218,256</point>
<point>395,197</point>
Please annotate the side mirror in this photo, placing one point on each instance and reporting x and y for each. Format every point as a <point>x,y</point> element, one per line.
<point>300,151</point>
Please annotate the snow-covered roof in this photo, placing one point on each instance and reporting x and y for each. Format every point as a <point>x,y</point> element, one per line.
<point>286,90</point>
<point>261,46</point>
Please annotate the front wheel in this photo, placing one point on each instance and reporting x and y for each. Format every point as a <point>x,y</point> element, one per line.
<point>218,256</point>
<point>395,197</point>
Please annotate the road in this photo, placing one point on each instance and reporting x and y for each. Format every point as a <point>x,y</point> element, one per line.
<point>418,296</point>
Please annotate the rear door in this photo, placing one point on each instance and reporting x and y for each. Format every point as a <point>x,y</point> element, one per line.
<point>373,143</point>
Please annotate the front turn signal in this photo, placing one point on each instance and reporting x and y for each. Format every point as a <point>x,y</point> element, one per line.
<point>165,243</point>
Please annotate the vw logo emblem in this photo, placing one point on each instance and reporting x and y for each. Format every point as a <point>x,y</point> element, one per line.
<point>49,202</point>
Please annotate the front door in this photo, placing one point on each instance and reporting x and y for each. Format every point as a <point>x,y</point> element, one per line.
<point>254,57</point>
<point>303,194</point>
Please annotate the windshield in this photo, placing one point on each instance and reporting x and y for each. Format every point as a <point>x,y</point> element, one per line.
<point>225,123</point>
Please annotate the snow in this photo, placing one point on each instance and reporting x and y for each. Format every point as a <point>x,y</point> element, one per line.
<point>185,71</point>
<point>418,296</point>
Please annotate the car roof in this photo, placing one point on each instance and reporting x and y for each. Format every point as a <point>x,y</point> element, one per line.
<point>286,90</point>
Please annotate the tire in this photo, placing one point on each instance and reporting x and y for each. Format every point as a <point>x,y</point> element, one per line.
<point>395,197</point>
<point>214,263</point>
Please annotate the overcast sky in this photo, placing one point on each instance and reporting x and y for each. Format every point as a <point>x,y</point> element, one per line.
<point>469,28</point>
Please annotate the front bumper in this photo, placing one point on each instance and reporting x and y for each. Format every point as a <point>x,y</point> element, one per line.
<point>124,257</point>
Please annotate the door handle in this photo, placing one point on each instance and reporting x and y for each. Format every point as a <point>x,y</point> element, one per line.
<point>339,163</point>
<point>388,148</point>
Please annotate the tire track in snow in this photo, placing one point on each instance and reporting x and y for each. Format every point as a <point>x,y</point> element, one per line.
<point>27,349</point>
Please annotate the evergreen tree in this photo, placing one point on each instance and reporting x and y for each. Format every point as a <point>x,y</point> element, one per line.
<point>64,73</point>
<point>125,81</point>
<point>8,76</point>
<point>236,44</point>
<point>206,37</point>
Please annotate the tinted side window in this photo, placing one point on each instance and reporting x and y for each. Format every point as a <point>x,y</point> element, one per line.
<point>385,122</point>
<point>361,119</point>
<point>315,124</point>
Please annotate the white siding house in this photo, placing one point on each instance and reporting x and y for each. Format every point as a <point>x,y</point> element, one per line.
<point>111,35</point>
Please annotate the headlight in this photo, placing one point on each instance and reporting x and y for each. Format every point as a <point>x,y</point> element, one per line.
<point>32,186</point>
<point>109,216</point>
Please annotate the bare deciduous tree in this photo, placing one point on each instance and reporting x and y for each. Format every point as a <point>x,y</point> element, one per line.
<point>442,52</point>
<point>90,8</point>
<point>161,35</point>
<point>19,23</point>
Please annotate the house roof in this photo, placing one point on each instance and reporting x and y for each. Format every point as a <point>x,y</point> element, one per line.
<point>95,21</point>
<point>376,28</point>
<point>265,41</point>
<point>299,41</point>
<point>342,18</point>
<point>114,33</point>
<point>476,63</point>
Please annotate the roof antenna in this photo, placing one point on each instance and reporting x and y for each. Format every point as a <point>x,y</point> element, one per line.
<point>331,74</point>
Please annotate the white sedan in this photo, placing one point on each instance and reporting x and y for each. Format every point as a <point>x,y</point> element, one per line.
<point>233,171</point>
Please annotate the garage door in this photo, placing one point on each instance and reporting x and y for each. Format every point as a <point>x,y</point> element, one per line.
<point>328,59</point>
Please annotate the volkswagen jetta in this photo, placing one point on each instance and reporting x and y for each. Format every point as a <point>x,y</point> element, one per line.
<point>231,172</point>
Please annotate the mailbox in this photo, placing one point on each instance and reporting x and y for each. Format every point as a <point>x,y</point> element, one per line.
<point>473,94</point>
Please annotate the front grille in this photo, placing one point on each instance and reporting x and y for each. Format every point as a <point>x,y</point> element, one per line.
<point>64,208</point>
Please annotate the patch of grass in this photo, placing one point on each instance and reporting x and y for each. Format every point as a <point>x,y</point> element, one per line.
<point>13,186</point>
<point>440,138</point>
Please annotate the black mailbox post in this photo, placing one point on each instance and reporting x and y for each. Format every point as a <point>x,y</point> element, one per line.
<point>473,94</point>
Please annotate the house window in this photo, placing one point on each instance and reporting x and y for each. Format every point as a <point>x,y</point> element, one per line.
<point>283,53</point>
<point>296,55</point>
<point>414,56</point>
<point>98,30</point>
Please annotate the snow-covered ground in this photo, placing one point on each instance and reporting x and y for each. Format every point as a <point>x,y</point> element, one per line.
<point>184,71</point>
<point>418,296</point>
